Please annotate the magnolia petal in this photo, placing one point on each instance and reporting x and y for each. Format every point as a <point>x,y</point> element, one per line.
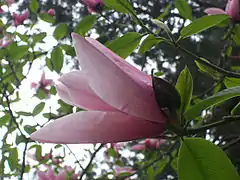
<point>74,89</point>
<point>116,82</point>
<point>214,11</point>
<point>96,127</point>
<point>233,9</point>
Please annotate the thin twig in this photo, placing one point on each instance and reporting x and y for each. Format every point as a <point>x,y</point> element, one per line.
<point>74,155</point>
<point>23,161</point>
<point>90,161</point>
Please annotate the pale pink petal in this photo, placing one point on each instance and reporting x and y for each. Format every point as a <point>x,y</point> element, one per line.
<point>34,85</point>
<point>214,11</point>
<point>92,4</point>
<point>138,147</point>
<point>42,175</point>
<point>116,82</point>
<point>96,127</point>
<point>74,89</point>
<point>233,9</point>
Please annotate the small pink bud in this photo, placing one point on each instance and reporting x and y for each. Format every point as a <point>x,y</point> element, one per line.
<point>94,5</point>
<point>51,12</point>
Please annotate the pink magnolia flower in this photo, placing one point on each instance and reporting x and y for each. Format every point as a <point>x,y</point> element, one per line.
<point>19,18</point>
<point>119,170</point>
<point>1,10</point>
<point>65,173</point>
<point>10,2</point>
<point>232,9</point>
<point>4,42</point>
<point>44,84</point>
<point>94,5</point>
<point>51,12</point>
<point>119,98</point>
<point>148,144</point>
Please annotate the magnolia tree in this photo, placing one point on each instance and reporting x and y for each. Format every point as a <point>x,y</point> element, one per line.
<point>143,89</point>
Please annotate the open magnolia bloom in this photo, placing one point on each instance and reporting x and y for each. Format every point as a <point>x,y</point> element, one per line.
<point>119,98</point>
<point>232,9</point>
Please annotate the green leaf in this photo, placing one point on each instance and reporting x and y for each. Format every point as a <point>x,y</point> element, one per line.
<point>46,17</point>
<point>200,159</point>
<point>231,82</point>
<point>17,52</point>
<point>202,24</point>
<point>23,113</point>
<point>13,158</point>
<point>184,9</point>
<point>150,173</point>
<point>126,44</point>
<point>49,64</point>
<point>148,43</point>
<point>39,37</point>
<point>85,24</point>
<point>217,98</point>
<point>20,139</point>
<point>34,5</point>
<point>236,110</point>
<point>38,152</point>
<point>29,129</point>
<point>165,12</point>
<point>236,34</point>
<point>23,37</point>
<point>38,108</point>
<point>4,119</point>
<point>69,50</point>
<point>119,5</point>
<point>57,59</point>
<point>208,70</point>
<point>60,31</point>
<point>185,87</point>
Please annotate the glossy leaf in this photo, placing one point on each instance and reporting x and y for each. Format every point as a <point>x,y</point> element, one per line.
<point>34,5</point>
<point>184,8</point>
<point>208,70</point>
<point>39,37</point>
<point>199,159</point>
<point>46,17</point>
<point>202,24</point>
<point>217,98</point>
<point>185,88</point>
<point>119,5</point>
<point>38,108</point>
<point>126,44</point>
<point>231,82</point>
<point>17,52</point>
<point>57,59</point>
<point>85,24</point>
<point>148,43</point>
<point>60,31</point>
<point>13,158</point>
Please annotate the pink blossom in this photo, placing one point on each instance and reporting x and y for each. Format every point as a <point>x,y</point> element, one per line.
<point>10,2</point>
<point>119,170</point>
<point>138,147</point>
<point>232,9</point>
<point>1,10</point>
<point>44,84</point>
<point>19,18</point>
<point>5,42</point>
<point>51,12</point>
<point>62,175</point>
<point>94,5</point>
<point>148,144</point>
<point>119,98</point>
